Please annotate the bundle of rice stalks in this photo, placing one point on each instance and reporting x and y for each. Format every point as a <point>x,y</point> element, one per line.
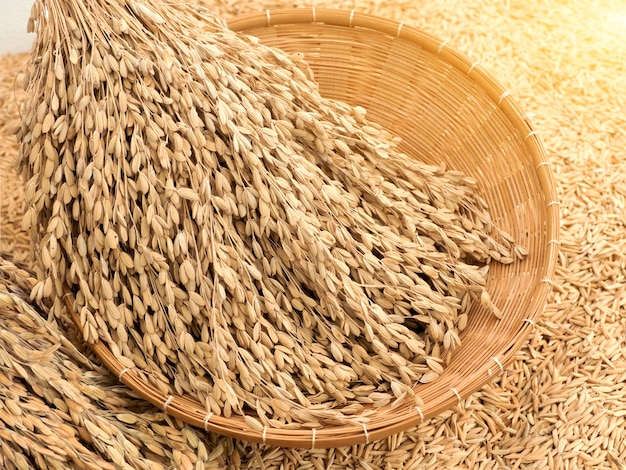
<point>59,410</point>
<point>227,232</point>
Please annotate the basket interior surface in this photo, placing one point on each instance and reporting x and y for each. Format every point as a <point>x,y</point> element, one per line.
<point>447,110</point>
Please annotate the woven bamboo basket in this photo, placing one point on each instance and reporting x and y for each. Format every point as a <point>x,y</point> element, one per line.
<point>446,108</point>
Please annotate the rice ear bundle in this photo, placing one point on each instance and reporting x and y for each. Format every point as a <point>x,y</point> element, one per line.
<point>230,234</point>
<point>60,410</point>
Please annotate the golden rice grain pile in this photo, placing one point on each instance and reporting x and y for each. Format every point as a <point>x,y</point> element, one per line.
<point>230,234</point>
<point>12,238</point>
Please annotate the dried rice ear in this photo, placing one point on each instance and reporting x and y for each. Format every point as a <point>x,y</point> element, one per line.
<point>226,231</point>
<point>47,384</point>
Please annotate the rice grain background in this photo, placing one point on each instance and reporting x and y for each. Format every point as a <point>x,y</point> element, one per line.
<point>562,403</point>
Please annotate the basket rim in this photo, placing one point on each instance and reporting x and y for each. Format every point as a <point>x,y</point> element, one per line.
<point>193,413</point>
